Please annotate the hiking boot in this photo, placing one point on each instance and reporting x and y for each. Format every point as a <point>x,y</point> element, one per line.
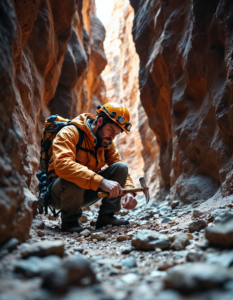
<point>109,219</point>
<point>71,227</point>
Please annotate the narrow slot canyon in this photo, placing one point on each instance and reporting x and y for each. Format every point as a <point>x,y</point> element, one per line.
<point>170,63</point>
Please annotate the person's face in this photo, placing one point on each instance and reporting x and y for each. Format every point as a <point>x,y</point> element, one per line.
<point>106,134</point>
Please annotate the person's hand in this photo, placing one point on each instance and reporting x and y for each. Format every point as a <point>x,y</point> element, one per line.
<point>112,187</point>
<point>128,201</point>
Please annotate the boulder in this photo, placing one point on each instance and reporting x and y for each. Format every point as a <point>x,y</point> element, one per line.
<point>150,240</point>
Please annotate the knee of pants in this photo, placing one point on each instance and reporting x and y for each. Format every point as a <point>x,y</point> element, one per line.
<point>122,167</point>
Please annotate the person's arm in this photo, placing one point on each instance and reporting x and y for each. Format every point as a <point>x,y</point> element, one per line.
<point>65,166</point>
<point>113,156</point>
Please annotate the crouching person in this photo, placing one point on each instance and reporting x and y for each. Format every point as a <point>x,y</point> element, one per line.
<point>79,170</point>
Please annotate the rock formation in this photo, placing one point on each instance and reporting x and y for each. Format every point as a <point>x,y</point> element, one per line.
<point>47,49</point>
<point>139,149</point>
<point>185,79</point>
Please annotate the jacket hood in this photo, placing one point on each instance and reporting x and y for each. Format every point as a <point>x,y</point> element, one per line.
<point>81,122</point>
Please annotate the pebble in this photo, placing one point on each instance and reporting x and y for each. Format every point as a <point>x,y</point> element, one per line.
<point>85,233</point>
<point>83,219</point>
<point>100,236</point>
<point>127,250</point>
<point>128,262</point>
<point>44,248</point>
<point>40,233</point>
<point>122,238</point>
<point>220,235</point>
<point>179,241</point>
<point>197,225</point>
<point>93,223</point>
<point>150,240</point>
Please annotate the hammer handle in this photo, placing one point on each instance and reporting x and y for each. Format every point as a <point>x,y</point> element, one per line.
<point>125,191</point>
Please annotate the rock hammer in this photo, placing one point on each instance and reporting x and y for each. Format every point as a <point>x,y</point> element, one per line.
<point>144,188</point>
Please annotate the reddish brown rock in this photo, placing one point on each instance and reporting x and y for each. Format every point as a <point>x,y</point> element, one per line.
<point>185,79</point>
<point>15,216</point>
<point>45,52</point>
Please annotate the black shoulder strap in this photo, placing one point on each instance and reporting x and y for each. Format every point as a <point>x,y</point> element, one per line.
<point>80,141</point>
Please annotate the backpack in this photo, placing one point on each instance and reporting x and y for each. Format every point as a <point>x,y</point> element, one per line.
<point>51,127</point>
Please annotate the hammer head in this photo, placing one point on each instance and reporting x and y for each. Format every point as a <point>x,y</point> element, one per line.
<point>145,188</point>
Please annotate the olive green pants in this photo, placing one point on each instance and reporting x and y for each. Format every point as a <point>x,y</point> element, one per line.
<point>71,198</point>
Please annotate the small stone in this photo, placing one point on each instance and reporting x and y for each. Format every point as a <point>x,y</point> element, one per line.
<point>197,225</point>
<point>190,236</point>
<point>37,224</point>
<point>130,234</point>
<point>100,236</point>
<point>150,240</point>
<point>80,239</point>
<point>44,248</point>
<point>197,213</point>
<point>220,235</point>
<point>130,278</point>
<point>166,220</point>
<point>121,238</point>
<point>52,218</point>
<point>109,226</point>
<point>94,240</point>
<point>195,276</point>
<point>179,241</point>
<point>158,250</point>
<point>175,203</point>
<point>93,223</point>
<point>74,271</point>
<point>165,265</point>
<point>129,262</point>
<point>79,249</point>
<point>85,233</point>
<point>83,219</point>
<point>194,256</point>
<point>40,233</point>
<point>127,250</point>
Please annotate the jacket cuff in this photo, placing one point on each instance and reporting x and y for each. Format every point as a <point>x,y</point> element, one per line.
<point>95,182</point>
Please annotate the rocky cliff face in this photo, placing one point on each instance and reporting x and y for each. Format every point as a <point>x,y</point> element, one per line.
<point>121,81</point>
<point>47,49</point>
<point>185,79</point>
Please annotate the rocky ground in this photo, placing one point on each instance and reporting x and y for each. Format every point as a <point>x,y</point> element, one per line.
<point>169,251</point>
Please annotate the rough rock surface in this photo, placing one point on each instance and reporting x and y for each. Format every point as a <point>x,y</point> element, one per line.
<point>150,240</point>
<point>179,241</point>
<point>15,215</point>
<point>49,51</point>
<point>139,149</point>
<point>220,235</point>
<point>185,80</point>
<point>198,276</point>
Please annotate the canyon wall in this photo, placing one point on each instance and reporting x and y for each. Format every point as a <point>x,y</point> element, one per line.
<point>186,86</point>
<point>50,51</point>
<point>139,149</point>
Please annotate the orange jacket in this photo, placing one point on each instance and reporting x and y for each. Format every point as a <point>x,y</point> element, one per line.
<point>81,167</point>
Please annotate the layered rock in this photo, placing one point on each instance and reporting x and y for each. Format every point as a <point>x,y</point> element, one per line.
<point>185,79</point>
<point>46,51</point>
<point>139,149</point>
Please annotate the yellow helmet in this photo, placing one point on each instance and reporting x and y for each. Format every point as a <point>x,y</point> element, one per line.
<point>117,113</point>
